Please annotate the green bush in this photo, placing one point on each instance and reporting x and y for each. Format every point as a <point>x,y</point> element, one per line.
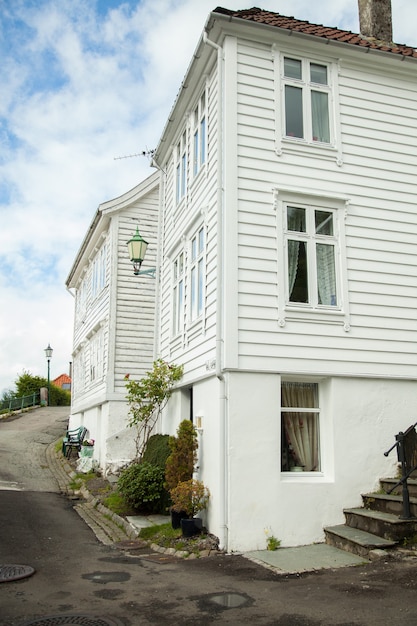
<point>157,450</point>
<point>142,486</point>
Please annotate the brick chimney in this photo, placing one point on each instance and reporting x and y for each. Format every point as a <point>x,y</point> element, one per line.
<point>375,19</point>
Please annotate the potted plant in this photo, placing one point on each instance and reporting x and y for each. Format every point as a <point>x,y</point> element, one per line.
<point>180,463</point>
<point>191,497</point>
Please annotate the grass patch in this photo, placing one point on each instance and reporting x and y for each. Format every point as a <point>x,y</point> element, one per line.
<point>79,479</point>
<point>116,503</point>
<point>167,537</point>
<point>58,445</point>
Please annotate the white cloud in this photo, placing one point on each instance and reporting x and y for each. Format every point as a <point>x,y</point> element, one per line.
<point>82,83</point>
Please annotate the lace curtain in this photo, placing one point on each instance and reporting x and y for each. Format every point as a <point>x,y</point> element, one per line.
<point>301,428</point>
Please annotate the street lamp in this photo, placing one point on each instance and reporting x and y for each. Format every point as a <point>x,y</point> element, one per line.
<point>48,354</point>
<point>137,249</point>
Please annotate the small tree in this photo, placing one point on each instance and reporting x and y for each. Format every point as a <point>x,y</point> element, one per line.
<point>147,398</point>
<point>180,463</point>
<point>27,384</point>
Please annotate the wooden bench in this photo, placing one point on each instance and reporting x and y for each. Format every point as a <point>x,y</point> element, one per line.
<point>73,440</point>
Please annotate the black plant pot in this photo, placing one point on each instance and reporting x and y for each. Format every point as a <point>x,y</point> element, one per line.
<point>176,517</point>
<point>191,527</point>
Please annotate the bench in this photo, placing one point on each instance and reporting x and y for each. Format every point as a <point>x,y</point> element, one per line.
<point>73,440</point>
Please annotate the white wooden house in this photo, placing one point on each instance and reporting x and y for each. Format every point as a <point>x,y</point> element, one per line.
<point>114,325</point>
<point>288,267</point>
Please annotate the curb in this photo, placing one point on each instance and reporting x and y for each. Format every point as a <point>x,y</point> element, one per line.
<point>108,527</point>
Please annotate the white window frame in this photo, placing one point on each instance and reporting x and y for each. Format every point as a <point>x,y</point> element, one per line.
<point>199,134</point>
<point>181,167</point>
<point>306,146</point>
<point>311,240</point>
<point>306,86</point>
<point>178,292</point>
<point>312,311</point>
<point>308,410</point>
<point>197,273</point>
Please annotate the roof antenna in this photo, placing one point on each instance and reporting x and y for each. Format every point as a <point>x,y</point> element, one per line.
<point>148,153</point>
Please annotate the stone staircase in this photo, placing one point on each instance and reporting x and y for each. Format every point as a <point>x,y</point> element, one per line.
<point>378,524</point>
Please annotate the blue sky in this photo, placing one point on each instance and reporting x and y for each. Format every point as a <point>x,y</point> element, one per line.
<point>83,82</point>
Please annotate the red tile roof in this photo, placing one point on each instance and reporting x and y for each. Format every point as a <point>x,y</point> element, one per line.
<point>317,30</point>
<point>62,380</point>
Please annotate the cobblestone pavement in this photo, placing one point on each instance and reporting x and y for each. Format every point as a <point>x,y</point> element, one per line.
<point>108,527</point>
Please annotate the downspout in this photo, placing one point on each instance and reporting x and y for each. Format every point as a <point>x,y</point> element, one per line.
<point>223,469</point>
<point>162,176</point>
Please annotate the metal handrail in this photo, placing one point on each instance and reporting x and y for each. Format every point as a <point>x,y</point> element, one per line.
<point>16,404</point>
<point>406,444</point>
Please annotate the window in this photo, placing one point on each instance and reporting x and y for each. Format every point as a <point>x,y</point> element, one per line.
<point>199,135</point>
<point>306,100</point>
<point>181,170</point>
<point>311,257</point>
<point>197,273</point>
<point>96,357</point>
<point>300,413</point>
<point>178,293</point>
<point>98,273</point>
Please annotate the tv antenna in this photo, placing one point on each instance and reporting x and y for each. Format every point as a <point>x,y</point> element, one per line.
<point>148,153</point>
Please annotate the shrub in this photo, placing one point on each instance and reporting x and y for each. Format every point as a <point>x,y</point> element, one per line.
<point>190,496</point>
<point>142,486</point>
<point>183,457</point>
<point>157,450</point>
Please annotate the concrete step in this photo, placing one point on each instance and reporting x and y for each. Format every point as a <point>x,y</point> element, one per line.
<point>388,503</point>
<point>388,483</point>
<point>385,525</point>
<point>355,540</point>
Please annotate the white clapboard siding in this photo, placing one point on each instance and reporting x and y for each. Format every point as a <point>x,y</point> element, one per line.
<point>379,140</point>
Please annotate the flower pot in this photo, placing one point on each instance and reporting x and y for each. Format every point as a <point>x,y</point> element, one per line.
<point>176,517</point>
<point>87,451</point>
<point>191,527</point>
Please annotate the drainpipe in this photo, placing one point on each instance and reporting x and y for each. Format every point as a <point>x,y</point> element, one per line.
<point>223,468</point>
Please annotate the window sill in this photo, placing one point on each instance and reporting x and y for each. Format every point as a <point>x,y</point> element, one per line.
<point>302,147</point>
<point>314,316</point>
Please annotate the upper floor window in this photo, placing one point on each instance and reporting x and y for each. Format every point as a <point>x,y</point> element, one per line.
<point>199,134</point>
<point>311,256</point>
<point>197,272</point>
<point>181,168</point>
<point>98,273</point>
<point>178,292</point>
<point>307,100</point>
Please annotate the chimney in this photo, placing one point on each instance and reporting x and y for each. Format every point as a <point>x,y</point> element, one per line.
<point>375,19</point>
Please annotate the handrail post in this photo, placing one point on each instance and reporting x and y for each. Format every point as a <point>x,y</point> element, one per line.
<point>401,458</point>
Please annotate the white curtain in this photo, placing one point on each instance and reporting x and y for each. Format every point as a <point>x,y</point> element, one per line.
<point>326,275</point>
<point>301,428</point>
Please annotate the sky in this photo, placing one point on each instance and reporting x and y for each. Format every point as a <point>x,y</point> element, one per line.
<point>84,82</point>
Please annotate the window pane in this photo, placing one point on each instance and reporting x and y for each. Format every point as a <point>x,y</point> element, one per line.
<point>201,241</point>
<point>318,74</point>
<point>320,116</point>
<point>294,112</point>
<point>324,222</point>
<point>292,68</point>
<point>297,271</point>
<point>296,219</point>
<point>326,275</point>
<point>196,148</point>
<point>193,292</point>
<point>200,286</point>
<point>193,249</point>
<point>203,141</point>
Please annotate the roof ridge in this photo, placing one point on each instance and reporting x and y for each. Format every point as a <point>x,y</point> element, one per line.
<point>269,18</point>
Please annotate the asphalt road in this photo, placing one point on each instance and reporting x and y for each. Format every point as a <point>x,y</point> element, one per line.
<point>80,581</point>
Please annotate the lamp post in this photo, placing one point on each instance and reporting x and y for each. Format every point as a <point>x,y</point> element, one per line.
<point>48,354</point>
